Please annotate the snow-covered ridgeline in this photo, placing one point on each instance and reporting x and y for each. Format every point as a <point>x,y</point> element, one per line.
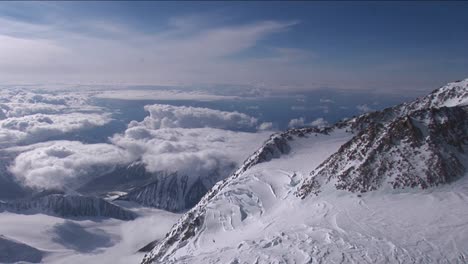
<point>252,216</point>
<point>452,94</point>
<point>276,146</point>
<point>423,149</point>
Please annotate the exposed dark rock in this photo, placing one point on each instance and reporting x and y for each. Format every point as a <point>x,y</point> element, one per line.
<point>423,149</point>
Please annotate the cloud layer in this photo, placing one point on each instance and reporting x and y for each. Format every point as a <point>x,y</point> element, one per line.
<point>300,122</point>
<point>198,142</point>
<point>191,140</point>
<point>167,116</point>
<point>64,163</point>
<point>27,117</point>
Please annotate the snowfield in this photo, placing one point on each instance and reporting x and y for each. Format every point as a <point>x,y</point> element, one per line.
<point>258,219</point>
<point>56,240</point>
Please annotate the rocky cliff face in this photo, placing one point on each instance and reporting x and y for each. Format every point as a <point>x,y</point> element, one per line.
<point>68,206</point>
<point>423,149</point>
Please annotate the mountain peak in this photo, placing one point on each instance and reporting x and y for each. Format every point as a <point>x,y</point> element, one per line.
<point>423,149</point>
<point>422,144</point>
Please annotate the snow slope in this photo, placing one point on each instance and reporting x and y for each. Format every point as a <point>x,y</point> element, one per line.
<point>258,219</point>
<point>12,251</point>
<point>255,216</point>
<point>91,240</point>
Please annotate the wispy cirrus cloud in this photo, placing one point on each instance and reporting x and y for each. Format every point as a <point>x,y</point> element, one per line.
<point>120,43</point>
<point>182,53</point>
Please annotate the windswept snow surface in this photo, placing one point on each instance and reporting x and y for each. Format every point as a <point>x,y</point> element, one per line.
<point>257,218</point>
<point>55,240</point>
<point>12,251</point>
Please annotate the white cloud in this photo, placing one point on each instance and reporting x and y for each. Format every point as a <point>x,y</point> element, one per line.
<point>192,141</point>
<point>253,107</point>
<point>28,117</point>
<point>364,108</point>
<point>182,54</point>
<point>300,122</point>
<point>326,101</point>
<point>298,108</point>
<point>167,116</point>
<point>196,151</point>
<point>62,163</point>
<point>266,126</point>
<point>319,122</point>
<point>186,140</point>
<point>199,48</point>
<point>155,94</point>
<point>37,127</point>
<point>296,122</point>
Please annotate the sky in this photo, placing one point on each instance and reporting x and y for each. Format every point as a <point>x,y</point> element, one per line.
<point>388,47</point>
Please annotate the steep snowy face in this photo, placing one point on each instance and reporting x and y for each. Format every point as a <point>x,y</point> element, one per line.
<point>424,149</point>
<point>277,146</point>
<point>68,206</point>
<point>163,190</point>
<point>171,191</point>
<point>255,216</point>
<point>452,94</point>
<point>119,179</point>
<point>175,191</point>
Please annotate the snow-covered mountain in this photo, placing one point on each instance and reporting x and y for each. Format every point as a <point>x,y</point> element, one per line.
<point>171,191</point>
<point>452,94</point>
<point>119,179</point>
<point>255,216</point>
<point>163,190</point>
<point>423,149</point>
<point>64,205</point>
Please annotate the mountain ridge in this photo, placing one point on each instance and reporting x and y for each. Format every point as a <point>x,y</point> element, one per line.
<point>185,235</point>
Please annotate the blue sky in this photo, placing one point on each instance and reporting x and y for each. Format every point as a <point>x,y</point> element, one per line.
<point>389,47</point>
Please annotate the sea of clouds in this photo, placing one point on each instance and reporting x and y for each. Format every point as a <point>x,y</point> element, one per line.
<point>194,141</point>
<point>183,139</point>
<point>28,117</point>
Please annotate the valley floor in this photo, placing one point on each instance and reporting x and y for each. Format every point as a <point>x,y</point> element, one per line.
<point>89,240</point>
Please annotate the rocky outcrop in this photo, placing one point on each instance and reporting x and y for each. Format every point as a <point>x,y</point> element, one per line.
<point>452,94</point>
<point>423,149</point>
